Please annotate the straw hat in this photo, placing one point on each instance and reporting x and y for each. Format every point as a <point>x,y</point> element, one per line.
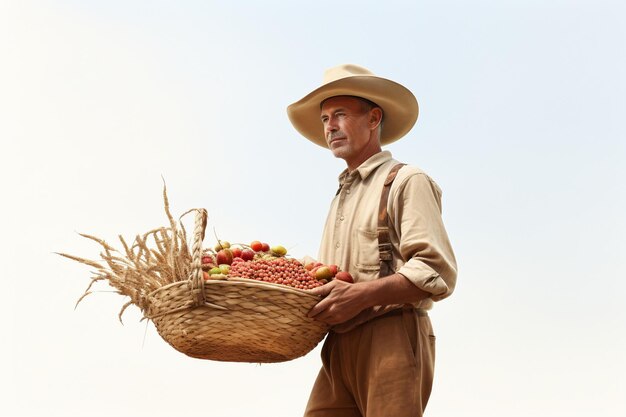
<point>399,105</point>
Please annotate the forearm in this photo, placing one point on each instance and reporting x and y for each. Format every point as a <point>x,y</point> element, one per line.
<point>342,301</point>
<point>393,289</point>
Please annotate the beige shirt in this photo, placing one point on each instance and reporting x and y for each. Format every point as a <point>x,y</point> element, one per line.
<point>421,249</point>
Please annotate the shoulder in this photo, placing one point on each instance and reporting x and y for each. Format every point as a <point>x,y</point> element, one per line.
<point>414,177</point>
<point>414,187</point>
<point>411,170</point>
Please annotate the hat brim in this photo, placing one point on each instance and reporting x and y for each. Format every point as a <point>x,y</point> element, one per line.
<point>399,106</point>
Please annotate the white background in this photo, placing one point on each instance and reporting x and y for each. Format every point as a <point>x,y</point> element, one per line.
<point>521,124</point>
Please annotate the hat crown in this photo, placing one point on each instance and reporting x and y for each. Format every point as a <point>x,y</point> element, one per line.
<point>344,71</point>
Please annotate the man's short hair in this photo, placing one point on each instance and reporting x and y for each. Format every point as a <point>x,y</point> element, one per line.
<point>366,105</point>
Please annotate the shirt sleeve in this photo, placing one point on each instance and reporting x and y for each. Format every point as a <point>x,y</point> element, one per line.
<point>424,244</point>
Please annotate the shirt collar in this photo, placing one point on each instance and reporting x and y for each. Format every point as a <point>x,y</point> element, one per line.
<point>367,167</point>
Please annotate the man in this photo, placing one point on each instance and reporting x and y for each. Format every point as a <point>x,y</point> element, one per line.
<point>385,228</point>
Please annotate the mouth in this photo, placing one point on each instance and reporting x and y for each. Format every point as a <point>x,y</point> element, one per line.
<point>335,139</point>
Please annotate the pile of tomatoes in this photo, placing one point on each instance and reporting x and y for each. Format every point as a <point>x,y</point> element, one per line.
<point>259,261</point>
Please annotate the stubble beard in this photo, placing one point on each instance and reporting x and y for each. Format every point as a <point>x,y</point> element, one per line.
<point>340,148</point>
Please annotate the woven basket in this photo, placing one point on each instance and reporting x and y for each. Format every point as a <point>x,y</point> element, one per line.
<point>234,320</point>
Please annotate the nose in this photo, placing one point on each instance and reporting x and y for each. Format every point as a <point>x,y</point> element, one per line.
<point>330,125</point>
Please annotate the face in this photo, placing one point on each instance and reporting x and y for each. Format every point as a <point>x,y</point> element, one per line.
<point>349,128</point>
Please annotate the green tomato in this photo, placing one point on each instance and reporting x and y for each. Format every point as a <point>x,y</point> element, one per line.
<point>279,250</point>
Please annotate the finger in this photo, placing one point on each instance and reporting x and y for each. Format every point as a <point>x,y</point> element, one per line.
<point>323,290</point>
<point>318,309</point>
<point>328,317</point>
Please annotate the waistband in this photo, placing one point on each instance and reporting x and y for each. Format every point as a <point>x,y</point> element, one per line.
<point>399,311</point>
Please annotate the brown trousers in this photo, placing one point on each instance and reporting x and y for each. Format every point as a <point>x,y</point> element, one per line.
<point>382,368</point>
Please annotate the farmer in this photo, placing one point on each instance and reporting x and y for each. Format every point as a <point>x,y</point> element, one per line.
<point>385,228</point>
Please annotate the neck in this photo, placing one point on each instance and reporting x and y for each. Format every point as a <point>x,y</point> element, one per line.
<point>362,157</point>
<point>372,148</point>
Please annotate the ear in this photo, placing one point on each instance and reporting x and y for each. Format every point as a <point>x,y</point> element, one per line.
<point>375,117</point>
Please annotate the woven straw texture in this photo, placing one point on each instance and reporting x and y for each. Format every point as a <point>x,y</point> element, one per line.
<point>260,322</point>
<point>235,320</point>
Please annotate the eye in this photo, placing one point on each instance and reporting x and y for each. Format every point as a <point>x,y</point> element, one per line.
<point>324,119</point>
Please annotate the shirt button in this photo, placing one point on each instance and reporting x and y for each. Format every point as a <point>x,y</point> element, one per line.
<point>341,218</point>
<point>348,191</point>
<point>337,244</point>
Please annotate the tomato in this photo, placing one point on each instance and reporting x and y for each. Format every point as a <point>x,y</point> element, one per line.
<point>222,244</point>
<point>344,276</point>
<point>323,272</point>
<point>279,250</point>
<point>247,255</point>
<point>225,256</point>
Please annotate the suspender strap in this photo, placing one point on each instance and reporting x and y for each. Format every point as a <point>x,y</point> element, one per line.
<point>384,239</point>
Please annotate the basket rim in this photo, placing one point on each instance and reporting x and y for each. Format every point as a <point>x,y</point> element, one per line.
<point>237,281</point>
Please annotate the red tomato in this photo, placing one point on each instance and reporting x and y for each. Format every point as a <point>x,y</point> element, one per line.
<point>247,255</point>
<point>344,276</point>
<point>225,256</point>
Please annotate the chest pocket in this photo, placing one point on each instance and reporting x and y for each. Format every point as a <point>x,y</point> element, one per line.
<point>366,254</point>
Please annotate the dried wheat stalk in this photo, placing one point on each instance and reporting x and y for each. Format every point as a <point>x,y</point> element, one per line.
<point>154,259</point>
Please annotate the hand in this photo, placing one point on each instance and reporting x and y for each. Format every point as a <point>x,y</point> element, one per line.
<point>341,302</point>
<point>307,259</point>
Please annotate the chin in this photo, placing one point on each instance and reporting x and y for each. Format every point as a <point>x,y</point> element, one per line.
<point>339,155</point>
<point>339,152</point>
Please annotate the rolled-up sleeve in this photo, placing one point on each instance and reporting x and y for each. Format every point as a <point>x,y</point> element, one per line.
<point>423,241</point>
